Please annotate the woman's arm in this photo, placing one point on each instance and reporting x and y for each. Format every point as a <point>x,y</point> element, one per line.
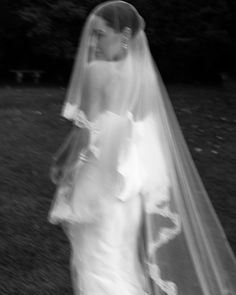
<point>82,117</point>
<point>81,135</point>
<point>68,152</point>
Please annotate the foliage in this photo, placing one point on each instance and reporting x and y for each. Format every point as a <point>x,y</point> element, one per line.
<point>193,37</point>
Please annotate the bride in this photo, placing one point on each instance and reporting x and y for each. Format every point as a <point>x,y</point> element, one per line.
<point>129,197</point>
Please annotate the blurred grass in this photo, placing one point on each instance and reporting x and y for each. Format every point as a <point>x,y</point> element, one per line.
<point>34,254</point>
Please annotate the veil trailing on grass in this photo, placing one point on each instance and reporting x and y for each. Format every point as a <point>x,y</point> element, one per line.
<point>186,250</point>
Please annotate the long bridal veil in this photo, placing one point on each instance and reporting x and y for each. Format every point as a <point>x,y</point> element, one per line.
<point>186,250</point>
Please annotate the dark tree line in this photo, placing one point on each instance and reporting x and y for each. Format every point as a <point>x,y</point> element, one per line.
<point>190,39</point>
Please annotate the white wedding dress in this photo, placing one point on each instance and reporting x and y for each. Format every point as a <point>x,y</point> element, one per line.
<point>133,205</point>
<point>102,215</point>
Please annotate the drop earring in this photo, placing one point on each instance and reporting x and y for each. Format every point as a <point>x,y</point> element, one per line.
<point>125,45</point>
<point>126,37</point>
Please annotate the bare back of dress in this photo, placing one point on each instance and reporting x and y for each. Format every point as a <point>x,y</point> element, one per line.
<point>186,250</point>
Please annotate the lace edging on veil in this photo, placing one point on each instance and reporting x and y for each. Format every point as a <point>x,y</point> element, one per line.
<point>165,235</point>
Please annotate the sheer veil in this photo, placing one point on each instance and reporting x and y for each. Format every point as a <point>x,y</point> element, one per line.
<point>187,251</point>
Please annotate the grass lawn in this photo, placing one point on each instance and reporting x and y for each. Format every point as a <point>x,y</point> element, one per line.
<point>34,254</point>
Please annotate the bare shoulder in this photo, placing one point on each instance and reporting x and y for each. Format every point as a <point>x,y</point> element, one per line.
<point>99,71</point>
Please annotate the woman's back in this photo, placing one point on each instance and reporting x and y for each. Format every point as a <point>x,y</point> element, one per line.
<point>133,205</point>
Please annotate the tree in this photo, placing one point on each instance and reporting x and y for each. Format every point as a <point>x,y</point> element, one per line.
<point>187,37</point>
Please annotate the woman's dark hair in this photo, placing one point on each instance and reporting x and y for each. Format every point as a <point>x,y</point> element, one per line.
<point>119,15</point>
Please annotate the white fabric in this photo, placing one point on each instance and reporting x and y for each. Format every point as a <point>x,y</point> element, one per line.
<point>132,169</point>
<point>101,262</point>
<point>135,178</point>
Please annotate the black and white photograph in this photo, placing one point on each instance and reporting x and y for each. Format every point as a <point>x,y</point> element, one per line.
<point>117,147</point>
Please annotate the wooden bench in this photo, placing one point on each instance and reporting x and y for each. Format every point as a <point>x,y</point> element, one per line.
<point>35,74</point>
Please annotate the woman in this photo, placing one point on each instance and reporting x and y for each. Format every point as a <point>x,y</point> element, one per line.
<point>128,194</point>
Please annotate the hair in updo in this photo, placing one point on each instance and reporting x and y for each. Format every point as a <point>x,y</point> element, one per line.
<point>119,15</point>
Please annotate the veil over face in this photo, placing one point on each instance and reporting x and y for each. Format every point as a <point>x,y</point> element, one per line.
<point>186,249</point>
